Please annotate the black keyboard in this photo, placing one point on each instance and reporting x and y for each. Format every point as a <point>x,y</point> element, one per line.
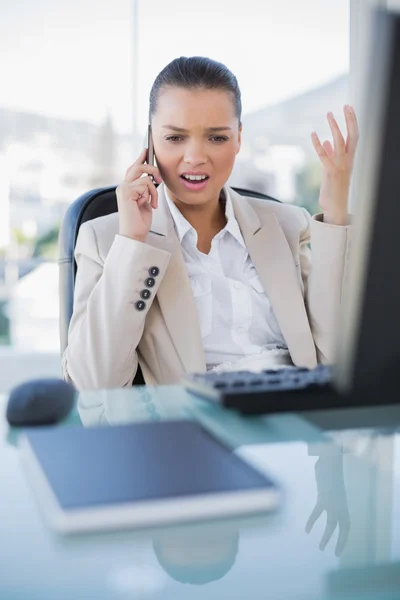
<point>285,389</point>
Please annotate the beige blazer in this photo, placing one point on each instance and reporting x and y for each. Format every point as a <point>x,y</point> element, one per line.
<point>109,336</point>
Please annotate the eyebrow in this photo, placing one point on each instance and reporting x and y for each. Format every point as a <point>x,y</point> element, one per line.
<point>181,130</point>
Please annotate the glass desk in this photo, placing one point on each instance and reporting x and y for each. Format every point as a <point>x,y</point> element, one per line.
<point>336,537</point>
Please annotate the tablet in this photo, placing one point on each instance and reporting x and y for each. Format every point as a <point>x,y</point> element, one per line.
<point>139,475</point>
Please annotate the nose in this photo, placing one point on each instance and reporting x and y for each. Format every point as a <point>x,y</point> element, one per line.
<point>195,153</point>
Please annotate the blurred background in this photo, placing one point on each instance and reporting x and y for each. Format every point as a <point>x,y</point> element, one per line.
<point>76,78</point>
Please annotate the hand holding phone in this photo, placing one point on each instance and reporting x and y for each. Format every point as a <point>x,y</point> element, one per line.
<point>137,195</point>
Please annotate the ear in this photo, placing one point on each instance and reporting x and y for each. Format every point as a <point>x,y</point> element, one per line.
<point>239,139</point>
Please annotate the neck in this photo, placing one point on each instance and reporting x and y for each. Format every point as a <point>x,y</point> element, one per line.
<point>208,218</point>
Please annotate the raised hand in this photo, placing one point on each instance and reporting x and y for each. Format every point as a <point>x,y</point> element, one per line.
<point>337,162</point>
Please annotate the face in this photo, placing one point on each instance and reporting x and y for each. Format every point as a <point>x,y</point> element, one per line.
<point>195,133</point>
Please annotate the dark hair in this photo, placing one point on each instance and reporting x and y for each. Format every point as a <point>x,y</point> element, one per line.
<point>196,72</point>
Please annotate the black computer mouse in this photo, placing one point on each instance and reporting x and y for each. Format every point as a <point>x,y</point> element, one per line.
<point>40,402</point>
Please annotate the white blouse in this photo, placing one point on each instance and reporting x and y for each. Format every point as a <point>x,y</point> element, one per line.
<point>236,317</point>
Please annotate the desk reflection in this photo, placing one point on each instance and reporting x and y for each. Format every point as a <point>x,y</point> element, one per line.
<point>353,468</point>
<point>332,499</point>
<point>196,557</point>
<point>355,488</point>
<point>144,403</point>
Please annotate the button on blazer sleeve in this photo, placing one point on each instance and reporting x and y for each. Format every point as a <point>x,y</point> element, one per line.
<point>109,313</point>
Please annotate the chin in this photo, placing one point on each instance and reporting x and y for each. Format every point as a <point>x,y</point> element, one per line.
<point>192,199</point>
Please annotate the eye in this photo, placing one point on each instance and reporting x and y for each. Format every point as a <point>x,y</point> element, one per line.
<point>219,139</point>
<point>174,138</point>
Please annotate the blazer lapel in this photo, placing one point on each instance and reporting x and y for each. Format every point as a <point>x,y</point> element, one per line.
<point>273,260</point>
<point>174,294</point>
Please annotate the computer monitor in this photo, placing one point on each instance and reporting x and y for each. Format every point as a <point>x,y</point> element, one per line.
<point>368,344</point>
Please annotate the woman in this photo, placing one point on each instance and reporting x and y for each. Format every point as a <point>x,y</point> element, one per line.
<point>191,276</point>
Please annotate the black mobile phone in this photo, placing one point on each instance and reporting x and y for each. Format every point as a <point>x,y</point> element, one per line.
<point>150,158</point>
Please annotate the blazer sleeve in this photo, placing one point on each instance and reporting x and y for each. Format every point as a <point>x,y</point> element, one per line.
<point>324,267</point>
<point>106,325</point>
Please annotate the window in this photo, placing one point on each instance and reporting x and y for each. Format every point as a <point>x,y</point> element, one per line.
<point>292,62</point>
<point>79,74</point>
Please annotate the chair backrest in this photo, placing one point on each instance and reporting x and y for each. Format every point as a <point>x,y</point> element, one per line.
<point>92,204</point>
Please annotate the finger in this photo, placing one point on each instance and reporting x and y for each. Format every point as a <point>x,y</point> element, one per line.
<point>154,194</point>
<point>139,195</point>
<point>139,168</point>
<point>352,129</point>
<point>147,190</point>
<point>320,150</point>
<point>136,171</point>
<point>315,515</point>
<point>140,160</point>
<point>338,139</point>
<point>329,529</point>
<point>344,530</point>
<point>327,146</point>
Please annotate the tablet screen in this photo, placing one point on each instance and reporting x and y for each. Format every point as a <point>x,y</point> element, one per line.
<point>136,462</point>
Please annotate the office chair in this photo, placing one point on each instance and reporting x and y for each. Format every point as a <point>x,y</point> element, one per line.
<point>92,204</point>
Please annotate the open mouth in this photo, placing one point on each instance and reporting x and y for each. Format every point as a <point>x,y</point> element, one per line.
<point>195,183</point>
<point>194,179</point>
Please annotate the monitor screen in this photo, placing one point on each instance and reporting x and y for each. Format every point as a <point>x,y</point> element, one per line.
<point>368,345</point>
